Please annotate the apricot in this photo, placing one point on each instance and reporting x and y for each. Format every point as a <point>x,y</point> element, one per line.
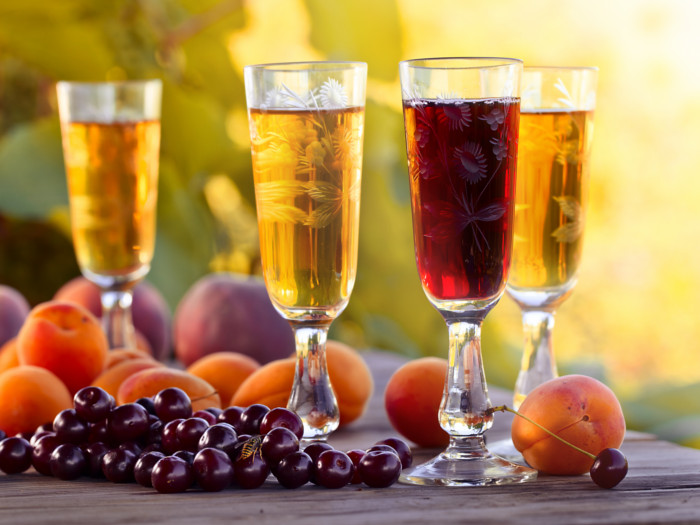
<point>350,377</point>
<point>112,378</point>
<point>14,309</point>
<point>578,408</point>
<point>30,396</point>
<point>151,313</point>
<point>269,385</point>
<point>119,355</point>
<point>149,382</point>
<point>67,340</point>
<point>224,312</point>
<point>412,400</point>
<point>8,355</point>
<point>225,371</point>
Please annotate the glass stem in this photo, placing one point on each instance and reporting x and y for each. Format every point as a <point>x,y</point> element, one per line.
<point>116,318</point>
<point>312,396</point>
<point>538,364</point>
<point>465,401</point>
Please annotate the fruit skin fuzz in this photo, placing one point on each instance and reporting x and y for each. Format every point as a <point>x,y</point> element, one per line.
<point>609,466</point>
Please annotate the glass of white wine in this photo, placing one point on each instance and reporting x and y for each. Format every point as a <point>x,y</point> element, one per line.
<point>306,130</point>
<point>111,144</point>
<point>556,131</point>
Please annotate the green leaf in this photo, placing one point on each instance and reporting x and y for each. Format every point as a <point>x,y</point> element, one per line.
<point>57,38</point>
<point>32,176</point>
<point>194,130</point>
<point>185,238</point>
<point>364,30</point>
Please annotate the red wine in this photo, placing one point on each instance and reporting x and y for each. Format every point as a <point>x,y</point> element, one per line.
<point>462,161</point>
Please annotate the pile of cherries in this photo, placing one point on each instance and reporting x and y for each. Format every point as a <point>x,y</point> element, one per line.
<point>159,442</point>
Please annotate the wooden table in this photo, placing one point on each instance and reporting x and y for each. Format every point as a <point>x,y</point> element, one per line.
<point>662,486</point>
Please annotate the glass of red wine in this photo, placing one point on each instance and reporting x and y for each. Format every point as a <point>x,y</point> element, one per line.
<point>461,117</point>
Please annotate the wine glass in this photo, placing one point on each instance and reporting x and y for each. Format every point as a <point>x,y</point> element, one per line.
<point>111,141</point>
<point>556,129</point>
<point>461,119</point>
<point>306,129</point>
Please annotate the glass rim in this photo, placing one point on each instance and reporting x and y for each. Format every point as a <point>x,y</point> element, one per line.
<point>96,83</point>
<point>561,68</point>
<point>288,67</point>
<point>496,62</point>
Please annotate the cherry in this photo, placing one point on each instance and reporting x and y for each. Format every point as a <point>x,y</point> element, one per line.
<point>294,470</point>
<point>334,469</point>
<point>70,427</point>
<point>277,444</point>
<point>380,468</point>
<point>251,418</point>
<point>15,455</point>
<point>401,448</point>
<point>144,467</point>
<point>609,468</point>
<point>41,453</point>
<point>212,469</point>
<point>118,465</point>
<point>169,440</point>
<point>147,403</point>
<point>94,452</point>
<point>67,462</point>
<point>185,455</point>
<point>232,416</point>
<point>172,403</point>
<point>282,417</point>
<point>189,431</point>
<point>172,474</point>
<point>221,436</point>
<point>356,455</point>
<point>251,471</point>
<point>127,422</point>
<point>205,415</point>
<point>92,403</point>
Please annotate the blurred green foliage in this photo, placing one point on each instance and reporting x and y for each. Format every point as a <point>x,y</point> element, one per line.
<point>185,43</point>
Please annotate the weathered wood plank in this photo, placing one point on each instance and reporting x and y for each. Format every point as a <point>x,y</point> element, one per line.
<point>663,486</point>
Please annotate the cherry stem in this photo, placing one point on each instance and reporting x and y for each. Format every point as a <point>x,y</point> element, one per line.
<point>504,408</point>
<point>212,394</point>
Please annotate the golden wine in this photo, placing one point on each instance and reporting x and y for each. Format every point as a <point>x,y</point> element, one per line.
<point>551,188</point>
<point>112,172</point>
<point>307,167</point>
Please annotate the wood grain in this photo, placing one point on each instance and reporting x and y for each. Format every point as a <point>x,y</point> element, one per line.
<point>663,486</point>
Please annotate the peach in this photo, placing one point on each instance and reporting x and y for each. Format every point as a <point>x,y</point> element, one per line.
<point>67,340</point>
<point>225,371</point>
<point>149,382</point>
<point>30,396</point>
<point>14,309</point>
<point>578,408</point>
<point>8,355</point>
<point>351,379</point>
<point>112,378</point>
<point>224,312</point>
<point>151,314</point>
<point>412,400</point>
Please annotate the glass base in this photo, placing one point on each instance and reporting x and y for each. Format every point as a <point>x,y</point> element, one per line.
<point>505,449</point>
<point>467,463</point>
